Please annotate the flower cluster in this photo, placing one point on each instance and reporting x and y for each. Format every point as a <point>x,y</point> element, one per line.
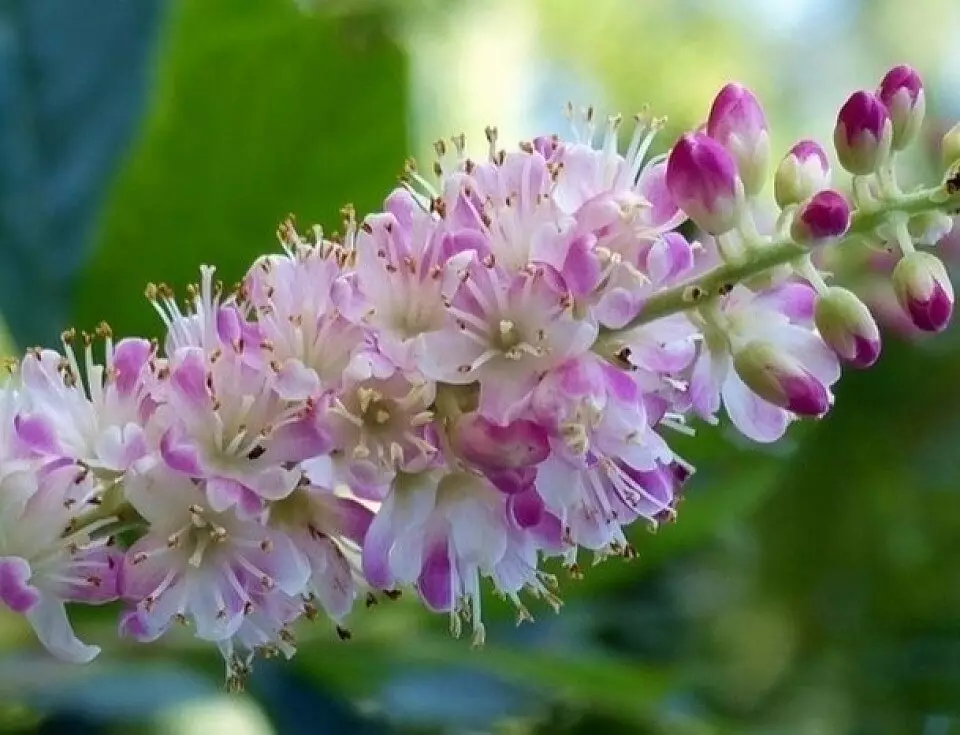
<point>481,376</point>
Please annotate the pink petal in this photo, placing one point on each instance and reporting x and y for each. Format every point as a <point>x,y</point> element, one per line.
<point>504,395</point>
<point>189,378</point>
<point>435,582</point>
<point>180,456</point>
<point>130,356</point>
<point>518,444</point>
<point>652,186</point>
<point>224,493</point>
<point>37,433</point>
<point>616,307</point>
<point>272,483</point>
<point>353,519</point>
<point>296,382</point>
<point>136,625</point>
<point>794,300</point>
<point>15,592</point>
<point>708,375</point>
<point>526,508</point>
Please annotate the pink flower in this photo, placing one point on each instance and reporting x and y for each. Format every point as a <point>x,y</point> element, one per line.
<point>620,203</point>
<point>198,565</point>
<point>299,299</point>
<point>48,554</point>
<point>440,531</point>
<point>406,263</point>
<point>780,321</point>
<point>380,424</point>
<point>224,424</point>
<point>504,332</point>
<point>210,322</point>
<point>99,420</point>
<point>597,499</point>
<point>328,530</point>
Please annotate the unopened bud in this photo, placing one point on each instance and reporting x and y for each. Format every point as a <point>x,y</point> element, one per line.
<point>822,218</point>
<point>901,91</point>
<point>950,147</point>
<point>803,172</point>
<point>863,134</point>
<point>779,378</point>
<point>737,122</point>
<point>848,327</point>
<point>702,178</point>
<point>924,291</point>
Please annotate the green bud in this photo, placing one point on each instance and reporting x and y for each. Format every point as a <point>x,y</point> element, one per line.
<point>950,147</point>
<point>848,327</point>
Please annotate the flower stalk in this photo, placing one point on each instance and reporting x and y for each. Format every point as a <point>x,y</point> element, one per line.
<point>863,223</point>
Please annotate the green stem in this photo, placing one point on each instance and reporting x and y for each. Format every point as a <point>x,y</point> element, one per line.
<point>720,279</point>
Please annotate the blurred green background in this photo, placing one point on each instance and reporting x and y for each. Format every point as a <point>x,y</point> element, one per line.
<point>812,587</point>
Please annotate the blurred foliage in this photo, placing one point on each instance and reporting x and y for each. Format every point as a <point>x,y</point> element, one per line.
<point>64,126</point>
<point>258,111</point>
<point>809,587</point>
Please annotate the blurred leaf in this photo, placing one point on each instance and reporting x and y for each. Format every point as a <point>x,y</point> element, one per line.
<point>72,80</point>
<point>622,687</point>
<point>101,691</point>
<point>260,111</point>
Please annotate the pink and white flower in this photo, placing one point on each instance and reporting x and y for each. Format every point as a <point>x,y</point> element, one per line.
<point>780,320</point>
<point>199,565</point>
<point>224,424</point>
<point>504,332</point>
<point>48,554</point>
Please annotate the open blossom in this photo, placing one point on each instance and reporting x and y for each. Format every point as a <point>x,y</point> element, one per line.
<point>226,426</point>
<point>504,332</point>
<point>621,198</point>
<point>96,414</point>
<point>46,558</point>
<point>198,565</point>
<point>780,320</point>
<point>299,299</point>
<point>443,532</point>
<point>405,265</point>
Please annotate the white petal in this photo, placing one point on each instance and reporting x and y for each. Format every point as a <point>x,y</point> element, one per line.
<point>812,353</point>
<point>441,354</point>
<point>754,417</point>
<point>49,619</point>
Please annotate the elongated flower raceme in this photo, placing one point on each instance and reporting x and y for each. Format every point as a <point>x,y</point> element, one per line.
<point>479,381</point>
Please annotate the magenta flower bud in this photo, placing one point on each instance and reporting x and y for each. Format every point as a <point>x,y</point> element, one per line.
<point>779,378</point>
<point>863,134</point>
<point>847,326</point>
<point>924,291</point>
<point>702,178</point>
<point>803,172</point>
<point>901,91</point>
<point>737,122</point>
<point>823,217</point>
